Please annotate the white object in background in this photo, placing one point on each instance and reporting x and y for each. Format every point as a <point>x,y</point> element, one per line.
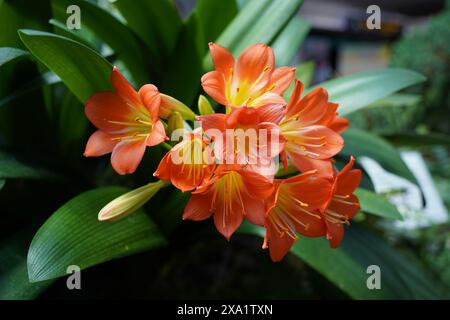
<point>409,201</point>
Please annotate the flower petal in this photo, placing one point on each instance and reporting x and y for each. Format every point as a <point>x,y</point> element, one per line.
<point>152,99</point>
<point>106,109</point>
<point>127,155</point>
<point>256,65</point>
<point>279,244</point>
<point>99,143</point>
<point>157,135</point>
<point>198,206</point>
<point>214,85</point>
<point>222,59</point>
<point>124,89</point>
<point>282,78</point>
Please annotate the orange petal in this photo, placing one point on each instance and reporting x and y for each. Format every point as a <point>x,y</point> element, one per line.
<point>313,107</point>
<point>339,125</point>
<point>282,78</point>
<point>99,143</point>
<point>228,215</point>
<point>222,59</point>
<point>214,85</point>
<point>157,135</point>
<point>335,233</point>
<point>333,141</point>
<point>163,170</point>
<point>348,206</point>
<point>214,121</point>
<point>267,98</point>
<point>294,101</point>
<point>348,182</point>
<point>279,244</point>
<point>104,107</point>
<point>152,99</point>
<point>256,65</point>
<point>124,89</point>
<point>198,207</point>
<point>323,167</point>
<point>271,112</point>
<point>127,155</point>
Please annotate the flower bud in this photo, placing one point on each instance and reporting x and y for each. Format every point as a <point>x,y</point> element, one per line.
<point>130,201</point>
<point>170,104</point>
<point>204,107</point>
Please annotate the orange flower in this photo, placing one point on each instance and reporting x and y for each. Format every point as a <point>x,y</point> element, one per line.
<point>311,130</point>
<point>189,163</point>
<point>127,122</point>
<point>230,195</point>
<point>252,80</point>
<point>246,136</point>
<point>343,204</point>
<point>294,206</point>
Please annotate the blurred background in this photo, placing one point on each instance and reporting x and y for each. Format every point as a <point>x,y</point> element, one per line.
<point>415,35</point>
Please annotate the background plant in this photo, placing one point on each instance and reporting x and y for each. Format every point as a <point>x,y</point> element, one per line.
<point>51,195</point>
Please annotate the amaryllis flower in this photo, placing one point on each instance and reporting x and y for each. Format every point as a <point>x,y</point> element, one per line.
<point>294,207</point>
<point>231,195</point>
<point>189,163</point>
<point>127,122</point>
<point>252,80</point>
<point>246,136</point>
<point>311,130</point>
<point>342,204</point>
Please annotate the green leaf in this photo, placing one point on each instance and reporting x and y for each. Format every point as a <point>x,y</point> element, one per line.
<point>10,54</point>
<point>12,167</point>
<point>45,79</point>
<point>182,76</point>
<point>361,89</point>
<point>81,69</point>
<point>156,22</point>
<point>304,73</point>
<point>74,236</point>
<point>14,284</point>
<point>258,21</point>
<point>362,143</point>
<point>397,100</point>
<point>211,23</point>
<point>346,266</point>
<point>377,204</point>
<point>286,44</point>
<point>110,30</point>
<point>412,139</point>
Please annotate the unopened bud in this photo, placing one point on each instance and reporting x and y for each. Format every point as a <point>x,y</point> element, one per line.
<point>204,107</point>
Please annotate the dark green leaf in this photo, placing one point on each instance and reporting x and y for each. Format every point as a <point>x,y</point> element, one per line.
<point>82,70</point>
<point>14,283</point>
<point>10,54</point>
<point>346,267</point>
<point>13,168</point>
<point>377,204</point>
<point>361,89</point>
<point>155,21</point>
<point>211,23</point>
<point>74,236</point>
<point>112,32</point>
<point>45,79</point>
<point>412,139</point>
<point>362,143</point>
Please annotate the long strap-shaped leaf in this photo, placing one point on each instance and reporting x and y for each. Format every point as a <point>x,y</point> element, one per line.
<point>74,236</point>
<point>346,267</point>
<point>81,69</point>
<point>361,89</point>
<point>362,143</point>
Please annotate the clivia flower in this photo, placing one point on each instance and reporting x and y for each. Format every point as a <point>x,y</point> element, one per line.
<point>342,204</point>
<point>311,130</point>
<point>189,163</point>
<point>251,81</point>
<point>231,195</point>
<point>127,122</point>
<point>294,207</point>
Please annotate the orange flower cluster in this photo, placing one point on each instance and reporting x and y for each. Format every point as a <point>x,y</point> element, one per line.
<point>229,163</point>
